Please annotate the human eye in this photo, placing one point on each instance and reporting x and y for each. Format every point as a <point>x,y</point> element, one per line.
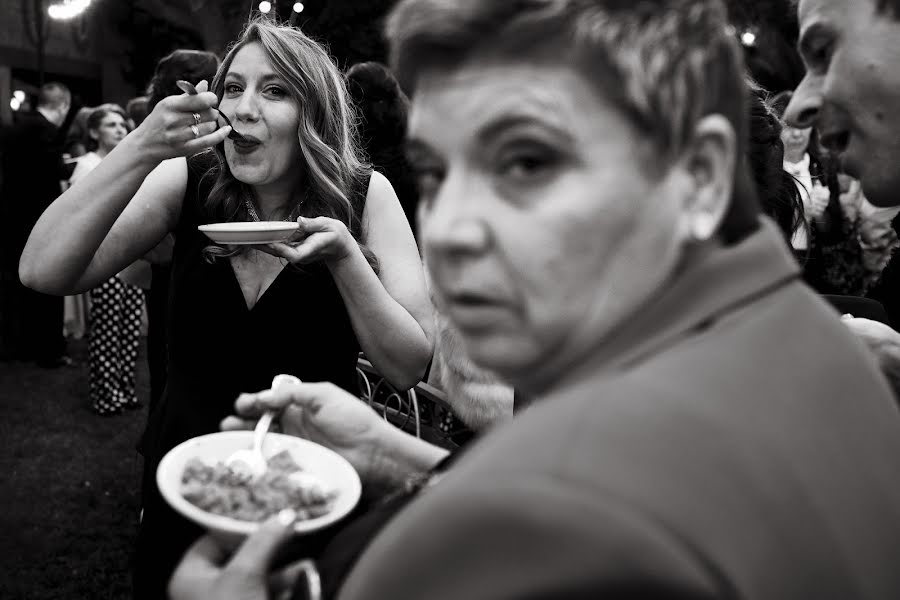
<point>817,50</point>
<point>527,164</point>
<point>232,89</point>
<point>428,179</point>
<point>276,91</point>
<point>427,169</point>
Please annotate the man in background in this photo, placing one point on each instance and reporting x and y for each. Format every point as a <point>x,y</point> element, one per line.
<point>32,164</point>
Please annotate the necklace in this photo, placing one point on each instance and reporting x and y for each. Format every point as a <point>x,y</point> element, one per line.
<point>255,217</point>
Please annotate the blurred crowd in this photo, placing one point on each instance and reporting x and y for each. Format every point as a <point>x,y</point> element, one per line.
<point>586,214</point>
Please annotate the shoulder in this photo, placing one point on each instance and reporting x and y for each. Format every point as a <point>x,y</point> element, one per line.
<point>507,534</point>
<point>380,198</point>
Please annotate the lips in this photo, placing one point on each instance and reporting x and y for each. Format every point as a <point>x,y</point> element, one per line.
<point>248,144</point>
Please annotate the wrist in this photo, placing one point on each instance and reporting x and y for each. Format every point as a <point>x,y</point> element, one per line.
<point>345,259</point>
<point>397,456</point>
<point>136,145</point>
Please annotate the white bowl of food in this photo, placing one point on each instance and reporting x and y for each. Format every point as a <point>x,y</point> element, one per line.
<point>316,482</point>
<point>249,232</point>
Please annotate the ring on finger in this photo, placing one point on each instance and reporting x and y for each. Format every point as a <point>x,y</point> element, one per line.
<point>195,130</point>
<point>196,118</point>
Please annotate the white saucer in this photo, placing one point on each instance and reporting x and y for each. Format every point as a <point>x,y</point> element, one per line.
<point>256,232</point>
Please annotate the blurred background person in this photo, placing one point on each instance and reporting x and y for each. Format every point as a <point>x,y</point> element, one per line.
<point>189,65</point>
<point>383,110</point>
<point>136,109</point>
<point>77,138</point>
<point>33,169</point>
<point>117,304</point>
<point>778,193</point>
<point>829,247</point>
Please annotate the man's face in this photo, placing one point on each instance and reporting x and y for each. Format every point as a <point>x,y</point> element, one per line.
<point>851,91</point>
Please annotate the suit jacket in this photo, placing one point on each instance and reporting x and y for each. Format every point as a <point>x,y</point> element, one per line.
<point>32,167</point>
<point>733,441</point>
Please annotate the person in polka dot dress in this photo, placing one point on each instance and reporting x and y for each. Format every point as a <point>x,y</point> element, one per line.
<point>116,306</point>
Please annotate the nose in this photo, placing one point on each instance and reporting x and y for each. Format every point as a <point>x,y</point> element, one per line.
<point>454,223</point>
<point>246,108</point>
<point>803,109</point>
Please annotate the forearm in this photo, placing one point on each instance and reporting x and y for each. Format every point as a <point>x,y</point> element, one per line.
<point>69,233</point>
<point>390,336</point>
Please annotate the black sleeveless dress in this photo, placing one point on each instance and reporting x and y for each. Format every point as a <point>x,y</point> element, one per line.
<point>217,349</point>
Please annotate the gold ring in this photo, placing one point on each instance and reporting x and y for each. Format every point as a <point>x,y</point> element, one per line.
<point>196,118</point>
<point>195,130</point>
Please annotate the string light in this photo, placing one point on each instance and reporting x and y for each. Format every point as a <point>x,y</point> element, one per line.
<point>265,6</point>
<point>298,7</point>
<point>66,10</point>
<point>15,103</point>
<point>748,38</point>
<point>19,95</point>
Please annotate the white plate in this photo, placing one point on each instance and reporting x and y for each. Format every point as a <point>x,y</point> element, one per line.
<point>330,467</point>
<point>255,232</point>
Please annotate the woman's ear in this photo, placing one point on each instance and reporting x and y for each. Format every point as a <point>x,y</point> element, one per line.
<point>709,161</point>
<point>94,134</point>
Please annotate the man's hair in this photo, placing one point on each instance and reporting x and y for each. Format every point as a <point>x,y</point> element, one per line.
<point>665,64</point>
<point>54,95</point>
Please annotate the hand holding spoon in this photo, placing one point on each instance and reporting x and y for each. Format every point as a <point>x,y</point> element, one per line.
<point>188,88</point>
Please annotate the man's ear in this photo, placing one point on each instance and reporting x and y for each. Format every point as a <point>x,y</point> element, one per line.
<point>709,162</point>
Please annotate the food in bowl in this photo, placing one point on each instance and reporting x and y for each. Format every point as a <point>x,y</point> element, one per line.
<point>224,490</point>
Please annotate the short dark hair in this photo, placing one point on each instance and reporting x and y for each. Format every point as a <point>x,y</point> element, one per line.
<point>190,65</point>
<point>54,95</point>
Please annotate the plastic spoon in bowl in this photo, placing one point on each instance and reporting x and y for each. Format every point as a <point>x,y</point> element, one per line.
<point>188,88</point>
<point>253,461</point>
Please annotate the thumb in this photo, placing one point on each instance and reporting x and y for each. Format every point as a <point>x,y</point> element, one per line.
<point>255,556</point>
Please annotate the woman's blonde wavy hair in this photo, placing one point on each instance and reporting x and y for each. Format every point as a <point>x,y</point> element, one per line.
<point>337,174</point>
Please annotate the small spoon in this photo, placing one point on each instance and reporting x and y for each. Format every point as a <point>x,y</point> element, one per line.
<point>188,88</point>
<point>253,461</point>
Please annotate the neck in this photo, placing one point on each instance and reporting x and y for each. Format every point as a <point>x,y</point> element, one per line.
<point>794,156</point>
<point>275,201</point>
<point>102,152</point>
<point>568,369</point>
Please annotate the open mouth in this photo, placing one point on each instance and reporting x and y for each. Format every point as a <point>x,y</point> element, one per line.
<point>247,143</point>
<point>836,141</point>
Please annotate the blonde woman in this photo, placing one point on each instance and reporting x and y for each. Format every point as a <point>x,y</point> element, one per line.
<point>349,280</point>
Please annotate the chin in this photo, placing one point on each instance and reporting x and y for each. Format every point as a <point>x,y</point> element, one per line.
<point>247,176</point>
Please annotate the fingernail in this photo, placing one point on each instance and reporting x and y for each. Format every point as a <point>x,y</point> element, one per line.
<point>287,516</point>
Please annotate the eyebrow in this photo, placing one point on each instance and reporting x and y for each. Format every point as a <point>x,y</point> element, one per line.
<point>415,146</point>
<point>510,121</point>
<point>264,79</point>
